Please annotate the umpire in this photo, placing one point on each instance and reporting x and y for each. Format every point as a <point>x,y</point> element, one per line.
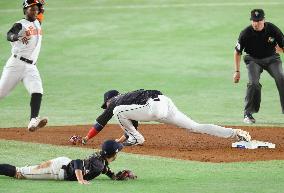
<point>262,41</point>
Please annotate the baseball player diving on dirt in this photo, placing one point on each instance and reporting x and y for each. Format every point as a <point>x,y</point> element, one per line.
<point>63,168</point>
<point>151,105</point>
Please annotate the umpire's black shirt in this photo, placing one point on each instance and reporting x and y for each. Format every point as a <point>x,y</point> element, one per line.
<point>260,44</point>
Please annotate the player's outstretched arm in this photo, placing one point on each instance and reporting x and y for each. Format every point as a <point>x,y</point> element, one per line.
<point>92,133</point>
<point>79,176</point>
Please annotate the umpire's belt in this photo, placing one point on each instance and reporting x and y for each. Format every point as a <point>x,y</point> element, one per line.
<point>24,59</point>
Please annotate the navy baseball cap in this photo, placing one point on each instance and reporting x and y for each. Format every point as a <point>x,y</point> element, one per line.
<point>108,95</point>
<point>110,147</point>
<point>257,15</point>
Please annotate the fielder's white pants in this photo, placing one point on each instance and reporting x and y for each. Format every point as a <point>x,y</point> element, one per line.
<point>16,71</point>
<point>49,170</point>
<point>163,110</point>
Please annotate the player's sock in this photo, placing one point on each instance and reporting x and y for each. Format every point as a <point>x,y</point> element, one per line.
<point>35,104</point>
<point>92,133</point>
<point>135,124</point>
<point>7,170</point>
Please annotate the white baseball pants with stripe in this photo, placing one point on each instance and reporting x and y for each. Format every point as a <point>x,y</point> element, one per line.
<point>163,110</point>
<point>16,71</point>
<point>49,170</point>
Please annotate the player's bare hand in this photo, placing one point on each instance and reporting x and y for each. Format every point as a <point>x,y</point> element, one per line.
<point>84,182</point>
<point>278,49</point>
<point>237,76</point>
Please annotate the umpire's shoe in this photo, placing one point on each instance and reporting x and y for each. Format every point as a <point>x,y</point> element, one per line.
<point>36,123</point>
<point>248,118</point>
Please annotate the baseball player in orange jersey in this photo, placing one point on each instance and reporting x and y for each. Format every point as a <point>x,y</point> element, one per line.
<point>25,37</point>
<point>151,105</point>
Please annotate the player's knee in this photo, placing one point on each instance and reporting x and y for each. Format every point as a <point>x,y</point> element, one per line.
<point>140,139</point>
<point>143,139</point>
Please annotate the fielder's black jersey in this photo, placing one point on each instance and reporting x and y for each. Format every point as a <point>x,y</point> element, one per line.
<point>138,97</point>
<point>91,168</point>
<point>260,44</point>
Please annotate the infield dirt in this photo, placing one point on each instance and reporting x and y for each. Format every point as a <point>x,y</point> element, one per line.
<point>163,140</point>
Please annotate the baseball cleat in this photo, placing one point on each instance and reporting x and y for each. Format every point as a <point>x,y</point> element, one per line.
<point>37,123</point>
<point>248,118</point>
<point>129,143</point>
<point>242,135</point>
<point>133,141</point>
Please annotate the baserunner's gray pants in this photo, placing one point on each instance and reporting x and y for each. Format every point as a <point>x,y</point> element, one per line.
<point>273,65</point>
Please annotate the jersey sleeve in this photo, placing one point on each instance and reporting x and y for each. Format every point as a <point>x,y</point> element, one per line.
<point>78,164</point>
<point>104,118</point>
<point>240,43</point>
<point>279,37</point>
<point>93,168</point>
<point>107,171</point>
<point>13,33</point>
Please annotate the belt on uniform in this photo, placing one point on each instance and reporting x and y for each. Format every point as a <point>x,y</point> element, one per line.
<point>24,59</point>
<point>156,99</point>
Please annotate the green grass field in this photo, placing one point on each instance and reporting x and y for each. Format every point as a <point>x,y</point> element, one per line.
<point>183,48</point>
<point>155,174</point>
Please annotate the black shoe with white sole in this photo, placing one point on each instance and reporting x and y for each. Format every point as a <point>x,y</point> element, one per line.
<point>248,118</point>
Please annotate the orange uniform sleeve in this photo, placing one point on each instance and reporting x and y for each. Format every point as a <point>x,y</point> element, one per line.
<point>40,17</point>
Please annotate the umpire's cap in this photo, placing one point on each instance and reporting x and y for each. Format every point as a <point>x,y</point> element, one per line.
<point>257,15</point>
<point>111,147</point>
<point>108,95</point>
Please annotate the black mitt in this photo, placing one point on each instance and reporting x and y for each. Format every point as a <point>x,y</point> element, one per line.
<point>125,175</point>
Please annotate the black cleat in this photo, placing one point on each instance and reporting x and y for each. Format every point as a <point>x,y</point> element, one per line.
<point>248,118</point>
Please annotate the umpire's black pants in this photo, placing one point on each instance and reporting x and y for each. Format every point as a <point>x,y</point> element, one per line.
<point>273,65</point>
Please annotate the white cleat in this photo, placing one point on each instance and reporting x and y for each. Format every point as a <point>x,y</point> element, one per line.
<point>37,123</point>
<point>242,135</point>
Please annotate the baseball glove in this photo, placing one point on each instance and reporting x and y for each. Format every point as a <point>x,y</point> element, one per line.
<point>74,140</point>
<point>125,175</point>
